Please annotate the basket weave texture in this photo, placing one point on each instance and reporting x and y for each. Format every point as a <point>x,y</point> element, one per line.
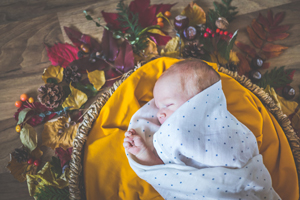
<point>76,187</point>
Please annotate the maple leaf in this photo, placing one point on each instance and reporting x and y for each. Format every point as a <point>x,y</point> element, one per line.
<point>63,155</point>
<point>62,54</point>
<point>125,60</point>
<point>59,133</point>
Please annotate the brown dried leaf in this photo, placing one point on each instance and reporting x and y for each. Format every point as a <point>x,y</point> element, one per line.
<point>257,42</point>
<point>279,29</point>
<point>265,66</point>
<point>258,29</point>
<point>59,133</point>
<point>246,48</point>
<point>262,20</point>
<point>270,17</point>
<point>278,18</point>
<point>244,66</point>
<point>195,14</point>
<point>148,53</point>
<point>273,47</point>
<point>278,36</point>
<point>269,55</point>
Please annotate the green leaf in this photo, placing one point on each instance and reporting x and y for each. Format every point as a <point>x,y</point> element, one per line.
<point>88,17</point>
<point>230,45</point>
<point>51,80</point>
<point>97,24</point>
<point>51,192</point>
<point>28,137</point>
<point>88,89</point>
<point>22,115</point>
<point>55,162</point>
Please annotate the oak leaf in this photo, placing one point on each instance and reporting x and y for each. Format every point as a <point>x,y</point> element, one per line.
<point>97,78</point>
<point>55,72</point>
<point>45,177</point>
<point>75,99</point>
<point>195,14</point>
<point>59,132</point>
<point>273,47</point>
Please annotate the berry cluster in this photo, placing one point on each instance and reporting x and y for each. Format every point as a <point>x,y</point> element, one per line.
<point>36,162</point>
<point>160,20</point>
<point>222,33</point>
<point>23,97</point>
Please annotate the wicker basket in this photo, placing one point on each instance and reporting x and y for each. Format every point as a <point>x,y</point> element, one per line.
<point>76,187</point>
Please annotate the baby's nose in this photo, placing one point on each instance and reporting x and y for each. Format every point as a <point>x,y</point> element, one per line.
<point>161,117</point>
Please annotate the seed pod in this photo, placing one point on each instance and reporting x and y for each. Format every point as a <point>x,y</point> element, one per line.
<point>256,63</point>
<point>222,23</point>
<point>255,76</point>
<point>190,33</point>
<point>181,22</point>
<point>288,92</point>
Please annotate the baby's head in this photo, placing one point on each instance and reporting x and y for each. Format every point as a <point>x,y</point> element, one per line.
<point>179,83</point>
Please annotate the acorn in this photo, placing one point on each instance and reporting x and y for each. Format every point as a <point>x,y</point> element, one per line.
<point>222,23</point>
<point>85,48</point>
<point>181,22</point>
<point>256,63</point>
<point>288,92</point>
<point>189,33</point>
<point>255,76</point>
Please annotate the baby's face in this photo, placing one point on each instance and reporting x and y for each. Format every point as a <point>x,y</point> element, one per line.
<point>169,95</point>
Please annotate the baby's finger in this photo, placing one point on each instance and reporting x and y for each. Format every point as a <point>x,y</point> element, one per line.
<point>128,133</point>
<point>126,145</point>
<point>132,131</point>
<point>128,139</point>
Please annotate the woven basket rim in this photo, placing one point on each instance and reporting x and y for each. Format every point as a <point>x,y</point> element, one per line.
<point>76,187</point>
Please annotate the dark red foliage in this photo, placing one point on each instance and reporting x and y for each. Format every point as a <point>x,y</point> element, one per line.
<point>62,54</point>
<point>125,60</point>
<point>63,155</point>
<point>109,46</point>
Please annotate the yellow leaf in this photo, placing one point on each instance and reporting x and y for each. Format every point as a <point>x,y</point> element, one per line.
<point>172,54</point>
<point>28,137</point>
<point>97,78</point>
<point>59,132</point>
<point>75,100</point>
<point>233,57</point>
<point>173,45</point>
<point>55,72</point>
<point>195,14</point>
<point>149,52</point>
<point>217,58</point>
<point>156,31</point>
<point>45,177</point>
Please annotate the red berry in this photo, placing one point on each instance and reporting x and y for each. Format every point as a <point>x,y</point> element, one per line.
<point>23,97</point>
<point>206,35</point>
<point>18,104</point>
<point>30,161</point>
<point>221,32</point>
<point>208,30</point>
<point>225,32</point>
<point>230,35</point>
<point>217,30</point>
<point>36,163</point>
<point>213,35</point>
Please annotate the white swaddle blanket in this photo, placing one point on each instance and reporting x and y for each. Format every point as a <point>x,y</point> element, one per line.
<point>208,153</point>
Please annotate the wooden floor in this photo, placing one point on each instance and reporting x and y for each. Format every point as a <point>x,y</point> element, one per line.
<point>26,25</point>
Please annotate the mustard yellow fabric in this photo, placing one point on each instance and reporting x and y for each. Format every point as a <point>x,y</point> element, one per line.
<point>107,173</point>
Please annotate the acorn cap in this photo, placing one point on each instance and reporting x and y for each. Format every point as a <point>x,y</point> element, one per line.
<point>288,92</point>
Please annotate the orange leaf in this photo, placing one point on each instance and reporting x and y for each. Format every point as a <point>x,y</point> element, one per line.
<point>270,17</point>
<point>273,47</point>
<point>278,18</point>
<point>279,29</point>
<point>273,54</point>
<point>279,36</point>
<point>254,38</point>
<point>261,19</point>
<point>246,48</point>
<point>244,66</point>
<point>258,29</point>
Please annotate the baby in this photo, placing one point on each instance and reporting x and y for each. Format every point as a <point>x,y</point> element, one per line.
<point>178,84</point>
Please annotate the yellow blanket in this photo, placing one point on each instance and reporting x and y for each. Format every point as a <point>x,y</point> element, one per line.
<point>107,174</point>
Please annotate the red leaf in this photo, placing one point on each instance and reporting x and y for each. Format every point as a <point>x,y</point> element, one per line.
<point>244,66</point>
<point>265,66</point>
<point>273,47</point>
<point>37,108</point>
<point>261,19</point>
<point>109,45</point>
<point>111,76</point>
<point>246,48</point>
<point>273,54</point>
<point>78,39</point>
<point>62,54</point>
<point>279,29</point>
<point>278,36</point>
<point>125,60</point>
<point>159,39</point>
<point>254,38</point>
<point>258,29</point>
<point>85,64</point>
<point>139,6</point>
<point>111,20</point>
<point>270,17</point>
<point>63,155</point>
<point>278,18</point>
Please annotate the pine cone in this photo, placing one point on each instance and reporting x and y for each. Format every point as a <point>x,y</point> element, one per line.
<point>71,74</point>
<point>20,155</point>
<point>231,67</point>
<point>50,95</point>
<point>193,50</point>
